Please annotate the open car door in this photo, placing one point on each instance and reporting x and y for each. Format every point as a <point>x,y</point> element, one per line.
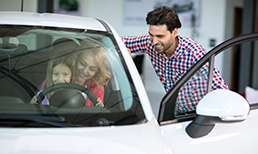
<point>197,119</point>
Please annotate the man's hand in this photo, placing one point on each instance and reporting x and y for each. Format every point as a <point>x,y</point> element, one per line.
<point>129,51</point>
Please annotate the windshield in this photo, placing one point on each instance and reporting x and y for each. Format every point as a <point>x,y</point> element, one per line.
<point>57,77</point>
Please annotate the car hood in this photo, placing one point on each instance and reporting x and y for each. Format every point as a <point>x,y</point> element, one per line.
<point>136,139</point>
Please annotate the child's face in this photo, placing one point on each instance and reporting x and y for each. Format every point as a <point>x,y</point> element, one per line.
<point>61,74</point>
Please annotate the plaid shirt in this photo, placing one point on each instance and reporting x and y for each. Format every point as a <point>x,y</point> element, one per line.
<point>171,69</point>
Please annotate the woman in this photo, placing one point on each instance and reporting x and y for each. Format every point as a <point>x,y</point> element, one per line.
<point>90,71</point>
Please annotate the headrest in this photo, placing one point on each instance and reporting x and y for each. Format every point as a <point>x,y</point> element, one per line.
<point>10,49</point>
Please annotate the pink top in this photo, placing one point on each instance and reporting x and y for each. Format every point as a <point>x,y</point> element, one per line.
<point>98,92</point>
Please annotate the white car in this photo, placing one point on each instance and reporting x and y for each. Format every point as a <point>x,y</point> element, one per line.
<point>223,122</point>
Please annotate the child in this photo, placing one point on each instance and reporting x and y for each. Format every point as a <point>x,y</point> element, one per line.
<point>58,71</point>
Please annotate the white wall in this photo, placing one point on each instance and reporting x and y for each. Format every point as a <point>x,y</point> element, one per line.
<point>229,30</point>
<point>212,26</point>
<point>112,12</point>
<point>15,5</point>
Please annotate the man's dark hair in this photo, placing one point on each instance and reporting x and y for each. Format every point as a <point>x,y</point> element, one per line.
<point>164,15</point>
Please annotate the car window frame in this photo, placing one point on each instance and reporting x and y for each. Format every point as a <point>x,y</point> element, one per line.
<point>167,106</point>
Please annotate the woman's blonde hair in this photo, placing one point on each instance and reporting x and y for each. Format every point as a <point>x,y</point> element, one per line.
<point>102,76</point>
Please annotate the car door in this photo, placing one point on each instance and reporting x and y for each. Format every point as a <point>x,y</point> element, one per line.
<point>221,121</point>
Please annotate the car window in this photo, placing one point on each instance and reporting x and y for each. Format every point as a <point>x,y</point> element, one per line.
<point>241,73</point>
<point>192,92</point>
<point>64,73</point>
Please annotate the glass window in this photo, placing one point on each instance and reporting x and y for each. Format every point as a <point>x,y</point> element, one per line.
<point>68,74</point>
<point>192,91</point>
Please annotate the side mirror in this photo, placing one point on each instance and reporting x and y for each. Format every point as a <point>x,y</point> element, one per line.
<point>218,106</point>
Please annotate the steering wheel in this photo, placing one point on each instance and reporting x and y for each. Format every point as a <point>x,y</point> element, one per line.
<point>47,90</point>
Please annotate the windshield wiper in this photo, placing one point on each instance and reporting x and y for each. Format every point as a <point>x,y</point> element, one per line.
<point>47,120</point>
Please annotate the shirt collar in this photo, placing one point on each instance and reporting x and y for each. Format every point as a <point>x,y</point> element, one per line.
<point>176,52</point>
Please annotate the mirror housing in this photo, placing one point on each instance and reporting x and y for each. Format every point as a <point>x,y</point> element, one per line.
<point>218,106</point>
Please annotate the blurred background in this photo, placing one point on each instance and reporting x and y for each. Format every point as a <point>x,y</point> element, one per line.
<point>209,22</point>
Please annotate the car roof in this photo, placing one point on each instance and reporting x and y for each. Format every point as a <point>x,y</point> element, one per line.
<point>50,20</point>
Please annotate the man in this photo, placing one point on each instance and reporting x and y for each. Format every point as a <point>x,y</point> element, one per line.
<point>172,56</point>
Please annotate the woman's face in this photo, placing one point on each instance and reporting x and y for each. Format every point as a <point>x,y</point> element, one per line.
<point>86,68</point>
<point>61,73</point>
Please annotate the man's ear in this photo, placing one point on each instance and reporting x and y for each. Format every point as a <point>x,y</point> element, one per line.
<point>175,32</point>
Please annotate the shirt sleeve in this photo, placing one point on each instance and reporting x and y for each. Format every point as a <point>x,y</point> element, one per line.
<point>139,44</point>
<point>45,100</point>
<point>217,81</point>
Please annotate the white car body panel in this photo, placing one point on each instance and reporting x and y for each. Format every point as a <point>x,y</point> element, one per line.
<point>236,103</point>
<point>50,20</point>
<point>137,139</point>
<point>242,136</point>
